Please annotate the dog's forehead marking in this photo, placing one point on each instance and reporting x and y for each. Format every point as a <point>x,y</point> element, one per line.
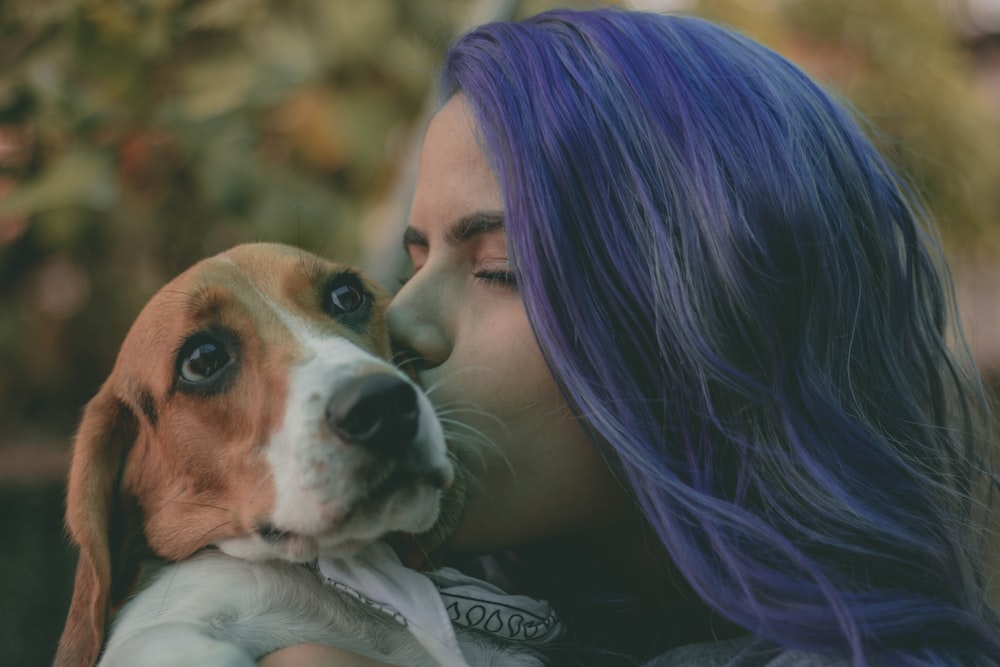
<point>308,476</point>
<point>313,337</point>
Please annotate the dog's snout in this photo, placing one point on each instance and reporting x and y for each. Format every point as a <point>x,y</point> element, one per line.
<point>378,412</point>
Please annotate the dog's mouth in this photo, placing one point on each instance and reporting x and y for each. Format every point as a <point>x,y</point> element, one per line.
<point>390,484</point>
<point>269,533</point>
<point>392,476</point>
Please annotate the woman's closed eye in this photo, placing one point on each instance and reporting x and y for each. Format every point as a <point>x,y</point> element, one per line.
<point>502,278</point>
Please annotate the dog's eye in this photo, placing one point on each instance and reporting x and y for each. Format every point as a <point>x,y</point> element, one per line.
<point>202,359</point>
<point>345,295</point>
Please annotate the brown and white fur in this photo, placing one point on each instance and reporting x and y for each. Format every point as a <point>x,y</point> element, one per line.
<point>252,408</point>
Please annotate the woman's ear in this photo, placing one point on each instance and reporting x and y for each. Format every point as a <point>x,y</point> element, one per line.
<point>99,524</point>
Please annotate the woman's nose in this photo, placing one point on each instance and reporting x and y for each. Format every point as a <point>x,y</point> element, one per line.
<point>419,334</point>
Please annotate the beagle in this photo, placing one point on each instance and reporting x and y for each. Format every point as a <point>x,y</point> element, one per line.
<point>253,424</point>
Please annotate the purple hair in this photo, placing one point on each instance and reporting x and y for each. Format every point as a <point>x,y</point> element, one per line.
<point>745,304</point>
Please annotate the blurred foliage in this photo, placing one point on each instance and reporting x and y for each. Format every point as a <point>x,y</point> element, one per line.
<point>36,573</point>
<point>901,65</point>
<point>137,136</point>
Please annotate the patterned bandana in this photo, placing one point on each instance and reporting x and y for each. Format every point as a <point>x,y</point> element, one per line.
<point>428,604</point>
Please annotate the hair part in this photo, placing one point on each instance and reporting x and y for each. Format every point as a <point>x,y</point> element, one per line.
<point>750,311</point>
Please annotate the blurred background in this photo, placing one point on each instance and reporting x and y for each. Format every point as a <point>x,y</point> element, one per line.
<point>139,136</point>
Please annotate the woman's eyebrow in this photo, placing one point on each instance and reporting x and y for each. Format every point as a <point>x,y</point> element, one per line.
<point>460,231</point>
<point>476,224</point>
<point>412,237</point>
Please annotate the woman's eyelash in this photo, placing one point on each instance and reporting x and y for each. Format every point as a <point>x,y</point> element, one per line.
<point>497,278</point>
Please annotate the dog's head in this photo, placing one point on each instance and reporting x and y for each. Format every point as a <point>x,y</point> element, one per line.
<point>253,407</point>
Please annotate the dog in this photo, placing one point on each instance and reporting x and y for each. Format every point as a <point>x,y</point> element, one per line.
<point>254,433</point>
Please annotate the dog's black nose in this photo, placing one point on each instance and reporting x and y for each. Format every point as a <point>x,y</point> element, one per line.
<point>379,412</point>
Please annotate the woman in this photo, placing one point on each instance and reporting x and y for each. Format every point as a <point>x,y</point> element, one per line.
<point>704,330</point>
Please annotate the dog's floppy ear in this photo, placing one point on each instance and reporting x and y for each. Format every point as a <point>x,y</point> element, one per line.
<point>98,523</point>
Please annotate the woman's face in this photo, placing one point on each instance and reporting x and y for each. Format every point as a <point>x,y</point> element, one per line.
<point>535,474</point>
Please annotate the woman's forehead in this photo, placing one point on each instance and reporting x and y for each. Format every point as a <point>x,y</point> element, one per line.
<point>454,179</point>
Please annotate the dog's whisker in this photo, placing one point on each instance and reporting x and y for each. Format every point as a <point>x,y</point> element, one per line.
<point>475,421</point>
<point>459,429</point>
<point>174,500</point>
<point>460,432</point>
<point>467,407</point>
<point>180,564</point>
<point>451,415</point>
<point>169,587</point>
<point>290,469</point>
<point>479,485</point>
<point>189,503</point>
<point>404,358</point>
<point>451,377</point>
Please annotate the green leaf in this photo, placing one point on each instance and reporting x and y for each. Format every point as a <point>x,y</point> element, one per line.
<point>215,87</point>
<point>82,178</point>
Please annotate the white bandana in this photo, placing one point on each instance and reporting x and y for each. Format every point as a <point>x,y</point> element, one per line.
<point>473,603</point>
<point>427,605</point>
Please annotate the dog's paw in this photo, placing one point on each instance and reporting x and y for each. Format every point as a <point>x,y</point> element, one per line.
<point>216,655</point>
<point>485,652</point>
<point>165,647</point>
